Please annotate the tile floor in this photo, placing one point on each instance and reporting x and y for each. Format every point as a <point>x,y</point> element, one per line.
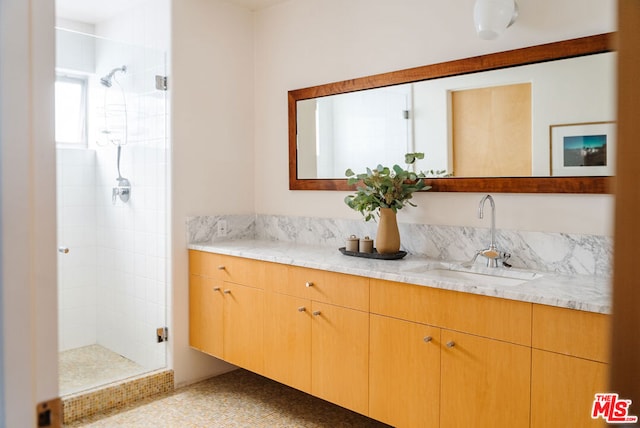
<point>90,366</point>
<point>236,399</point>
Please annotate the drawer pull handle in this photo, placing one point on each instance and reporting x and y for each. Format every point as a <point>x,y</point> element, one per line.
<point>308,284</point>
<point>316,313</point>
<point>216,288</point>
<point>451,344</point>
<point>428,339</point>
<point>221,267</point>
<point>302,309</point>
<point>227,291</point>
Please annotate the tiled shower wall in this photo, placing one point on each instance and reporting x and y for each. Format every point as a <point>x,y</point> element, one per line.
<point>113,281</point>
<point>76,231</point>
<point>132,236</point>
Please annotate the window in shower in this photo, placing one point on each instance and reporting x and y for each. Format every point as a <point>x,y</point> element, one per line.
<point>71,110</point>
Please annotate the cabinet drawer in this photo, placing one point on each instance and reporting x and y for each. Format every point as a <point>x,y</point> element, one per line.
<point>237,270</point>
<point>571,332</point>
<point>481,315</point>
<point>339,289</point>
<point>203,263</point>
<point>253,273</point>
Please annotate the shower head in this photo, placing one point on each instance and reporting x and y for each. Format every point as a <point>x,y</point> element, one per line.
<point>107,80</point>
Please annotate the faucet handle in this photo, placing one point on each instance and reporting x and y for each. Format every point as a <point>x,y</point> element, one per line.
<point>505,257</point>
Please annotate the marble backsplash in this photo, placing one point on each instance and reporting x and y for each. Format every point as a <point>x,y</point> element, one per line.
<point>561,253</point>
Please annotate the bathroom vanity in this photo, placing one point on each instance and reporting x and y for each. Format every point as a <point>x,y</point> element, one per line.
<point>395,341</point>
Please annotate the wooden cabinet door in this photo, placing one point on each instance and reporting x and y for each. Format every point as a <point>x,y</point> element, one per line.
<point>340,356</point>
<point>404,373</point>
<point>243,323</point>
<point>206,315</point>
<point>563,389</point>
<point>485,382</point>
<point>287,340</point>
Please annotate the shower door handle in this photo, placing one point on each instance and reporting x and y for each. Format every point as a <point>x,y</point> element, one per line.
<point>63,250</point>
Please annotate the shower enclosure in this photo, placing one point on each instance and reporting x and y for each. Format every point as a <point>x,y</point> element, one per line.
<point>112,209</point>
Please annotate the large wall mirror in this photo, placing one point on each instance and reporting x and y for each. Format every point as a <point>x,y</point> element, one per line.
<point>537,119</point>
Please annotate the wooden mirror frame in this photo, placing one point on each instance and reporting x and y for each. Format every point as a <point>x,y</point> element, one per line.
<point>548,52</point>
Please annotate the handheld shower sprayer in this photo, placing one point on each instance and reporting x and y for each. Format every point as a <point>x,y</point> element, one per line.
<point>123,189</point>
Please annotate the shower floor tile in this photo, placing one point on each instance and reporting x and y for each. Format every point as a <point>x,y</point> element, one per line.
<point>91,366</point>
<point>236,399</point>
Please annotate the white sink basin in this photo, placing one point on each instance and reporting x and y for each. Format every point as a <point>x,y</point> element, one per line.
<point>503,277</point>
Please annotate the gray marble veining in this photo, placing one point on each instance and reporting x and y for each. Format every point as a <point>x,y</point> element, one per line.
<point>583,292</point>
<point>205,228</point>
<point>570,254</point>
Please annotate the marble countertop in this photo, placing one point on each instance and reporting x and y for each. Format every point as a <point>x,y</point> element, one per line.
<point>587,293</point>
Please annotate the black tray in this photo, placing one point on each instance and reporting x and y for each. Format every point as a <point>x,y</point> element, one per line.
<point>374,255</point>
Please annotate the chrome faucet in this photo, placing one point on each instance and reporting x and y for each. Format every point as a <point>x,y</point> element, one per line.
<point>492,254</point>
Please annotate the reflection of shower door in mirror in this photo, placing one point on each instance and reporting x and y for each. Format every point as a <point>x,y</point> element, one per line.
<point>491,131</point>
<point>354,130</point>
<point>112,281</point>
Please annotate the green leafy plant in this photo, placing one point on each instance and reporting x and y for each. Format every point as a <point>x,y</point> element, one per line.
<point>385,187</point>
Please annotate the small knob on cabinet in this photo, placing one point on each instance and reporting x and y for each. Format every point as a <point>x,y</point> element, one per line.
<point>221,267</point>
<point>451,344</point>
<point>216,288</point>
<point>428,339</point>
<point>308,284</point>
<point>227,291</point>
<point>316,313</point>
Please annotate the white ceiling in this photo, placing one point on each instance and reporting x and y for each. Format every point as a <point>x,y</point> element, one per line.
<point>94,11</point>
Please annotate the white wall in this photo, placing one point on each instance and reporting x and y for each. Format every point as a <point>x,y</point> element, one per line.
<point>302,43</point>
<point>212,142</point>
<point>28,261</point>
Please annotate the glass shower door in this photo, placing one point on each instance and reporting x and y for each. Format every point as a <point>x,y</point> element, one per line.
<point>112,214</point>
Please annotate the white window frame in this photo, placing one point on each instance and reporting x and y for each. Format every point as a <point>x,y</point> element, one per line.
<point>84,84</point>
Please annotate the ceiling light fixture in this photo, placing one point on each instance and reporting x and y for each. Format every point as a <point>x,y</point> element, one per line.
<point>492,17</point>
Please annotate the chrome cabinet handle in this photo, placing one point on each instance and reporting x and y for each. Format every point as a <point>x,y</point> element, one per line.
<point>302,309</point>
<point>451,344</point>
<point>308,284</point>
<point>63,250</point>
<point>316,313</point>
<point>428,339</point>
<point>227,291</point>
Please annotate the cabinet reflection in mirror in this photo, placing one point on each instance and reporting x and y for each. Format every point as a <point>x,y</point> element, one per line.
<point>487,124</point>
<point>494,123</point>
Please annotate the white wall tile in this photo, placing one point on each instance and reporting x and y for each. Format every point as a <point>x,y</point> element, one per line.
<point>114,271</point>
